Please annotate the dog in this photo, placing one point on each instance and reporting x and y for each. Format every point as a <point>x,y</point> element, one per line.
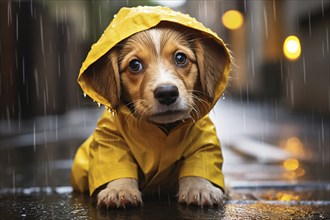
<point>165,75</point>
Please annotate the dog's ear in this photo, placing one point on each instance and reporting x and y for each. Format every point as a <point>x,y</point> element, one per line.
<point>103,77</point>
<point>211,60</point>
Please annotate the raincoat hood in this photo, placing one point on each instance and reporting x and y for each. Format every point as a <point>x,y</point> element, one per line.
<point>129,21</point>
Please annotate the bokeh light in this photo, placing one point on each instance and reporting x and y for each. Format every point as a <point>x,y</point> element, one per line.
<point>232,19</point>
<point>291,164</point>
<point>295,147</point>
<point>292,48</point>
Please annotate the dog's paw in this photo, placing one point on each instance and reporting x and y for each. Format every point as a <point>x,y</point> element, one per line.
<point>199,191</point>
<point>120,193</point>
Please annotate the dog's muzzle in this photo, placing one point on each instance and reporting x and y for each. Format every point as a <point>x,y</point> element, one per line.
<point>166,94</point>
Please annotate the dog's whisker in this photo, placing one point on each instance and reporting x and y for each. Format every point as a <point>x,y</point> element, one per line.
<point>193,109</point>
<point>204,103</point>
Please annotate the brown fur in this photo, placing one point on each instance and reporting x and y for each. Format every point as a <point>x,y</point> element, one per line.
<point>103,76</point>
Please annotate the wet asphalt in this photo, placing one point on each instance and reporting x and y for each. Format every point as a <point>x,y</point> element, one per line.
<point>277,166</point>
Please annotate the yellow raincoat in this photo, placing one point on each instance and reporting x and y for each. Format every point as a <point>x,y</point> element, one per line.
<point>125,147</point>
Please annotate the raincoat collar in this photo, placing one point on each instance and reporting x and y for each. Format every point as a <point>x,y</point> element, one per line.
<point>166,129</point>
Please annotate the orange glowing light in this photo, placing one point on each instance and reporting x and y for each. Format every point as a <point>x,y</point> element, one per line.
<point>286,197</point>
<point>295,147</point>
<point>291,164</point>
<point>232,19</point>
<point>300,172</point>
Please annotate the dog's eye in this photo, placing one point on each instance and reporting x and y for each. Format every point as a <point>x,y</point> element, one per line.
<point>135,66</point>
<point>180,59</point>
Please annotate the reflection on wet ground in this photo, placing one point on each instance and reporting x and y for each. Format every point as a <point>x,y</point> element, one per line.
<point>276,167</point>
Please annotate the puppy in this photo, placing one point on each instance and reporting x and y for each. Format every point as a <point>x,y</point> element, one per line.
<point>166,76</point>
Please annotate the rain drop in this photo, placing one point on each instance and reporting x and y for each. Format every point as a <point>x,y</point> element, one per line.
<point>292,93</point>
<point>327,37</point>
<point>329,97</point>
<point>252,23</point>
<point>42,36</point>
<point>56,127</point>
<point>14,181</point>
<point>322,130</point>
<point>84,25</point>
<point>59,64</point>
<point>17,27</point>
<point>266,22</point>
<point>9,13</point>
<point>31,8</point>
<point>34,137</point>
<point>100,16</point>
<point>8,119</point>
<point>304,69</point>
<point>310,23</point>
<point>36,81</point>
<point>85,95</point>
<point>23,70</point>
<point>99,104</point>
<point>56,15</point>
<point>252,62</point>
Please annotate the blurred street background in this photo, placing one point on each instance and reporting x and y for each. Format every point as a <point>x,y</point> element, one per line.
<point>273,121</point>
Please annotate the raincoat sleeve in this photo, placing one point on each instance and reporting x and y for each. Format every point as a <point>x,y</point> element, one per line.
<point>204,156</point>
<point>110,157</point>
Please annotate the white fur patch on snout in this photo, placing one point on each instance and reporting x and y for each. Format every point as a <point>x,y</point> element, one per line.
<point>165,78</point>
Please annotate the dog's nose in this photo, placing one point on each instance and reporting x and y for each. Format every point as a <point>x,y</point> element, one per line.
<point>166,94</point>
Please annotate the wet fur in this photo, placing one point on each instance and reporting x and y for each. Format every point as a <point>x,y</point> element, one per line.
<point>196,82</point>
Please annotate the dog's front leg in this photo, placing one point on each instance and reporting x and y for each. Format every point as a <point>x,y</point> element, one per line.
<point>122,192</point>
<point>199,191</point>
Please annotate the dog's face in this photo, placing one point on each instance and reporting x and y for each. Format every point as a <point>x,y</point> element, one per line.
<point>158,74</point>
<point>163,74</point>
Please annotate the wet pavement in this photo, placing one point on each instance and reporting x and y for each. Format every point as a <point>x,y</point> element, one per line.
<point>58,203</point>
<point>277,166</point>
